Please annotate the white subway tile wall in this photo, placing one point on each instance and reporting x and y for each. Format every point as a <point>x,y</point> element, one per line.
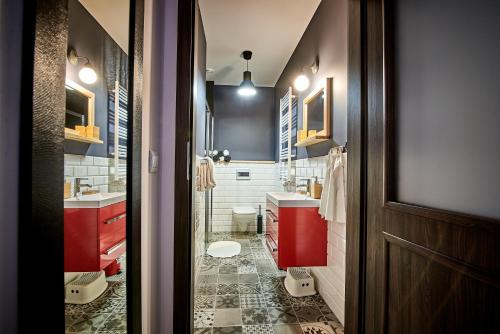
<point>330,280</point>
<point>230,192</point>
<point>199,226</point>
<point>94,169</point>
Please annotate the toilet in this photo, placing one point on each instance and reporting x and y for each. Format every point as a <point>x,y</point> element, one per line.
<point>242,217</point>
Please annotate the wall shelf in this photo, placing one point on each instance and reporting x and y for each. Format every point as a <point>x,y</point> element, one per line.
<point>310,141</point>
<point>73,135</point>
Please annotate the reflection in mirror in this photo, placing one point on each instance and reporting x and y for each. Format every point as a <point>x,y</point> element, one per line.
<point>76,108</point>
<point>95,169</point>
<point>315,112</point>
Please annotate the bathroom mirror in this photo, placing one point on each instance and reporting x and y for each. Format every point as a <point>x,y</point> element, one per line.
<point>80,105</point>
<point>316,113</point>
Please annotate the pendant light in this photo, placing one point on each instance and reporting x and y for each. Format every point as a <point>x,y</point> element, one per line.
<point>247,87</point>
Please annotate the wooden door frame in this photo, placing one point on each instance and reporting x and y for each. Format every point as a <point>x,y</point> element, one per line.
<point>356,208</point>
<point>356,229</point>
<point>183,265</point>
<point>41,220</point>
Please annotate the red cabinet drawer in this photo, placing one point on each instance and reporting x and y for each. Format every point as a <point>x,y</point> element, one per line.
<point>93,237</point>
<point>273,208</point>
<point>112,220</point>
<point>272,225</point>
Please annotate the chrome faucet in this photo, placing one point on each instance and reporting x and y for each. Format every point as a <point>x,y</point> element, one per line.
<point>289,185</point>
<point>307,185</point>
<point>78,185</point>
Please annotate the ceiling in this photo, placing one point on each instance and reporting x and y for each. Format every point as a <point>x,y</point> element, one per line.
<point>113,16</point>
<point>271,29</point>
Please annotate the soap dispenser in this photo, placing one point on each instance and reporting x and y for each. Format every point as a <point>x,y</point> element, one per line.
<point>316,189</point>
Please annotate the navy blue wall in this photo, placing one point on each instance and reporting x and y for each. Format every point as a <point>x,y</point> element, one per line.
<point>326,37</point>
<point>245,124</point>
<point>90,40</point>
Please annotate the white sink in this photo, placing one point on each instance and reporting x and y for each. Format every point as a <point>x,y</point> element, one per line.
<point>95,200</point>
<point>290,200</point>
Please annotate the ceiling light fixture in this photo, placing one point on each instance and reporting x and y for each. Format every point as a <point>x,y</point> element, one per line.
<point>87,73</point>
<point>301,83</point>
<point>247,87</point>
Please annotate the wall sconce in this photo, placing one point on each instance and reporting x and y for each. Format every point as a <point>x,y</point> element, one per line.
<point>301,83</point>
<point>87,73</point>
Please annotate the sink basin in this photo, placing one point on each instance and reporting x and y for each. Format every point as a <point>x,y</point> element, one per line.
<point>95,200</point>
<point>287,200</point>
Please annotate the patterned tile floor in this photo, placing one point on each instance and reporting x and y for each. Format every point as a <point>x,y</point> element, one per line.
<point>246,294</point>
<point>105,315</point>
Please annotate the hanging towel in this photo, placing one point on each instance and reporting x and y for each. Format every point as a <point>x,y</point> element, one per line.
<point>332,204</point>
<point>210,174</point>
<point>205,175</point>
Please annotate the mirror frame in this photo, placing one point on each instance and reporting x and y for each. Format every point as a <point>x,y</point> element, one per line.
<point>326,87</point>
<point>89,95</point>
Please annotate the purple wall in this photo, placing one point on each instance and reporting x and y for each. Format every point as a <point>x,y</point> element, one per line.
<point>162,113</point>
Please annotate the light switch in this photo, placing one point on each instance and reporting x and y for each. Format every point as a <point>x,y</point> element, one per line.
<point>154,159</point>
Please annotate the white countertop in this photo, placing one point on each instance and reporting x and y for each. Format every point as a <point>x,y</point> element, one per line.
<point>94,201</point>
<point>292,200</point>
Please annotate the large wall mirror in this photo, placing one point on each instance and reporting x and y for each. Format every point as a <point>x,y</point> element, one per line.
<point>316,113</point>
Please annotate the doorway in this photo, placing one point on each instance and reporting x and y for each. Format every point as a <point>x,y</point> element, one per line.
<point>229,294</point>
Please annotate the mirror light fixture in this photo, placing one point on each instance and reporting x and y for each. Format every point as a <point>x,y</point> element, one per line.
<point>301,83</point>
<point>87,73</point>
<point>247,87</point>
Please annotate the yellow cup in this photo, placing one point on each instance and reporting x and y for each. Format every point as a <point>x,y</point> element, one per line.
<point>311,133</point>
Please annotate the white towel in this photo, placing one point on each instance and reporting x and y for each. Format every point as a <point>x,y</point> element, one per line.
<point>332,204</point>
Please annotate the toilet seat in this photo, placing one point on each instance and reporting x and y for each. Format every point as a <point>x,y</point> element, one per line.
<point>243,210</point>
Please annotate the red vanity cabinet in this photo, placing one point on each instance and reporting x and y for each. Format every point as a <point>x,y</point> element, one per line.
<point>93,237</point>
<point>296,236</point>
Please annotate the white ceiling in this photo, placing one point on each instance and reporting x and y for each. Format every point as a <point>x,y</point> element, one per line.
<point>113,16</point>
<point>271,29</point>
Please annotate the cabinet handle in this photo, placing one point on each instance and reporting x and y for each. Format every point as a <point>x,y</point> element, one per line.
<point>270,246</point>
<point>115,219</point>
<point>114,248</point>
<point>272,216</point>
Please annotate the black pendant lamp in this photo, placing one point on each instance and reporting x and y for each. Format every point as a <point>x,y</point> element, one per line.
<point>247,87</point>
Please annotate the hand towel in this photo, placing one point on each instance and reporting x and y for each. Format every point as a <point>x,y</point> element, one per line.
<point>332,203</point>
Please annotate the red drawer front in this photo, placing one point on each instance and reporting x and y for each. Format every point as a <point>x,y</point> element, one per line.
<point>270,206</point>
<point>81,235</point>
<point>112,254</point>
<point>272,225</point>
<point>112,222</point>
<point>303,240</point>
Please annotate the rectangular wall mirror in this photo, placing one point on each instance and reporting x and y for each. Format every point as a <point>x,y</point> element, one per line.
<point>316,113</point>
<point>80,113</point>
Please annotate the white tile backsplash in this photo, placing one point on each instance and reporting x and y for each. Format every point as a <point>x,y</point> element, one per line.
<point>96,170</point>
<point>330,280</point>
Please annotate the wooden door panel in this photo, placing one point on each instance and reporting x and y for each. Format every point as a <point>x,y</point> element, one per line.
<point>430,293</point>
<point>427,270</point>
<point>472,245</point>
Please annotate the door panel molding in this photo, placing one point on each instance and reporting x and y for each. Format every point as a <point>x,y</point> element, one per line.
<point>445,260</point>
<point>445,216</point>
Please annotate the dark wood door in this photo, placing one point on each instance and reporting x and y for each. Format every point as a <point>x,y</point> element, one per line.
<point>428,270</point>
